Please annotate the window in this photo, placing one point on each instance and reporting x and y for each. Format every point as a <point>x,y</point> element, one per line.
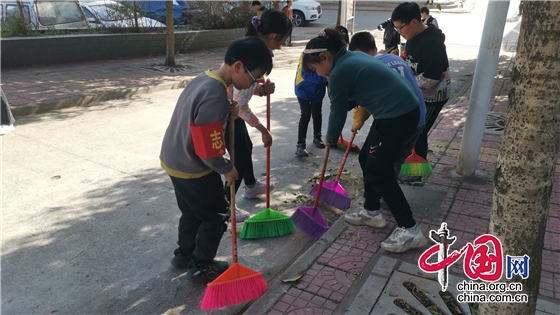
<point>58,12</point>
<point>12,12</point>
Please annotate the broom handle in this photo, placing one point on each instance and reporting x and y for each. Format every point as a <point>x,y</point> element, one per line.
<point>268,153</point>
<point>345,157</point>
<point>232,190</point>
<point>316,203</point>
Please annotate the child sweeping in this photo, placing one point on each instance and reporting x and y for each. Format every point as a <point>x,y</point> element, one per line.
<point>273,28</point>
<point>390,99</point>
<point>195,170</point>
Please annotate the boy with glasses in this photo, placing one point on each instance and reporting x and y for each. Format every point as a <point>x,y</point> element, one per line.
<point>426,56</point>
<point>192,155</point>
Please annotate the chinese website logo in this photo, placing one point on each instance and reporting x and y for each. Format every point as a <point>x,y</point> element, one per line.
<point>483,260</point>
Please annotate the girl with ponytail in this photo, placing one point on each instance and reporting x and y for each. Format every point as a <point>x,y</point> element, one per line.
<point>354,77</point>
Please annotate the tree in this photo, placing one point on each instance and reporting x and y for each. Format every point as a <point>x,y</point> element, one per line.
<point>20,9</point>
<point>170,40</point>
<point>530,144</point>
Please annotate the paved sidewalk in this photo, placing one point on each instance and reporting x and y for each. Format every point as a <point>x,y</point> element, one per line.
<point>40,89</point>
<point>353,275</point>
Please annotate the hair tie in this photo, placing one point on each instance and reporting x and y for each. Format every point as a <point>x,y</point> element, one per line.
<point>322,33</point>
<point>256,21</point>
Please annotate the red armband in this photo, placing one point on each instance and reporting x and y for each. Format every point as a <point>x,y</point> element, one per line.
<point>208,140</point>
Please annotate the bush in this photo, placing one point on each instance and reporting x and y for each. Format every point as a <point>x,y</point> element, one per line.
<point>222,15</point>
<point>14,26</point>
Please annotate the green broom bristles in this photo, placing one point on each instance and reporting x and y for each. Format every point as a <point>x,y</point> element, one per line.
<point>416,169</point>
<point>267,223</point>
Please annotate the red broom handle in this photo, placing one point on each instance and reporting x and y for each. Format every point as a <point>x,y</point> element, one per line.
<point>268,153</point>
<point>232,190</point>
<point>345,157</point>
<point>316,203</point>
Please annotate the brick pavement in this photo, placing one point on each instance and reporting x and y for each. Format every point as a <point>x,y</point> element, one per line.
<point>466,209</point>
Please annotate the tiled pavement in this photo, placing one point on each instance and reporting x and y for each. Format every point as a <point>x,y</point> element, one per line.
<point>465,208</point>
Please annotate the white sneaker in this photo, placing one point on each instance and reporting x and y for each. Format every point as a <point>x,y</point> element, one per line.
<point>241,215</point>
<point>260,188</point>
<point>4,129</point>
<point>364,218</point>
<point>402,240</point>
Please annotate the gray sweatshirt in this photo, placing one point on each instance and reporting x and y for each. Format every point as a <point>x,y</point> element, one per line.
<point>204,101</point>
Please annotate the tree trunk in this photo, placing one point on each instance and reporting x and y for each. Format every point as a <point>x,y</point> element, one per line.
<point>170,55</point>
<point>135,12</point>
<point>20,9</point>
<point>529,150</point>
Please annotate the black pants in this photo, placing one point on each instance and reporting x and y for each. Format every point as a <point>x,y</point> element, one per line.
<point>432,112</point>
<point>204,213</point>
<point>388,143</point>
<point>243,155</point>
<point>309,110</point>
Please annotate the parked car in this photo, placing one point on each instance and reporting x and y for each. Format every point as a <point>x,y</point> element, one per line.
<point>46,15</point>
<point>107,13</point>
<point>305,11</point>
<point>182,10</point>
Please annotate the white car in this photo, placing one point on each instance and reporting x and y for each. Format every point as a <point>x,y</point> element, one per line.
<point>305,11</point>
<point>108,13</point>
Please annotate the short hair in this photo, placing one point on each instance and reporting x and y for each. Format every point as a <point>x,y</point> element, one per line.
<point>344,31</point>
<point>254,3</point>
<point>425,10</point>
<point>406,12</point>
<point>332,42</point>
<point>362,41</point>
<point>251,51</point>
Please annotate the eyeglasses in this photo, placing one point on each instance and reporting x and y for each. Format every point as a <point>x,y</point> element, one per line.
<point>399,29</point>
<point>251,75</point>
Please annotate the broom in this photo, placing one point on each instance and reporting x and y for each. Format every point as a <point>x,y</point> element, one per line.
<point>309,219</point>
<point>333,193</point>
<point>343,144</point>
<point>415,165</point>
<point>267,223</point>
<point>237,284</point>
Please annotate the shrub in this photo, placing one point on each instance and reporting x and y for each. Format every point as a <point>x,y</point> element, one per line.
<point>222,15</point>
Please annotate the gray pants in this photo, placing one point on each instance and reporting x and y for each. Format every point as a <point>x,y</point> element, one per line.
<point>6,114</point>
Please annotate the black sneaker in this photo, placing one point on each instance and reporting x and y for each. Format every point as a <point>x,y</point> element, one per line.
<point>318,142</point>
<point>208,271</point>
<point>181,261</point>
<point>300,151</point>
<point>411,180</point>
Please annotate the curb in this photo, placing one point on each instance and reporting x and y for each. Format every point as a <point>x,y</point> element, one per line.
<point>298,267</point>
<point>77,101</point>
<point>47,106</point>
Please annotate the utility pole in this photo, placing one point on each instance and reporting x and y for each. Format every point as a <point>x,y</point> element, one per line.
<point>483,81</point>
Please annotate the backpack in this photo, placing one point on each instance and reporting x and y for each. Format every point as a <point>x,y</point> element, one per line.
<point>309,86</point>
